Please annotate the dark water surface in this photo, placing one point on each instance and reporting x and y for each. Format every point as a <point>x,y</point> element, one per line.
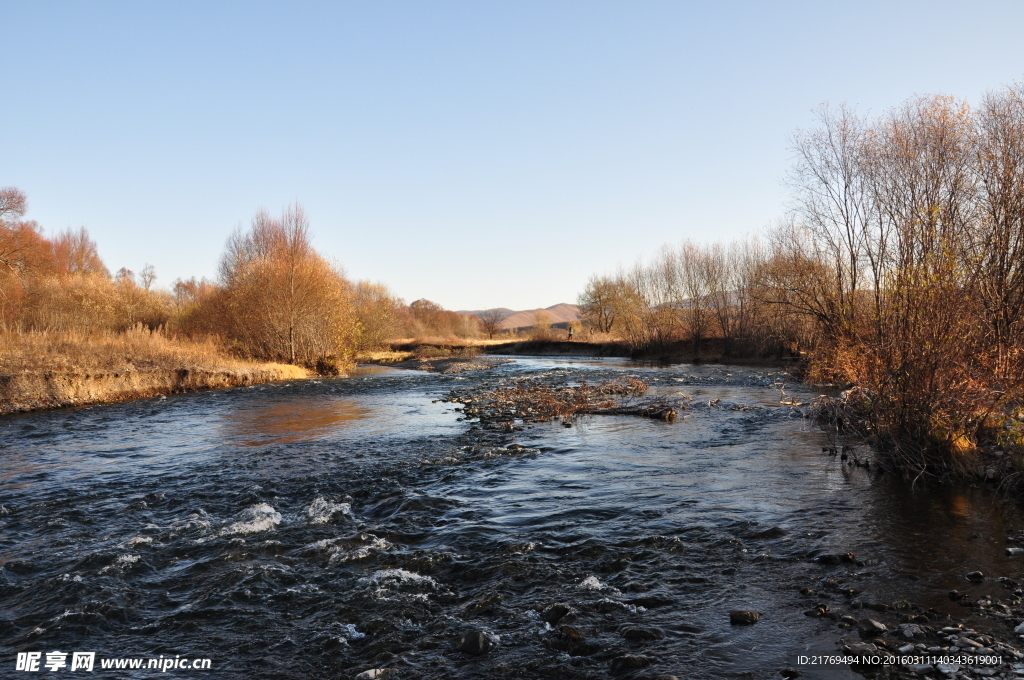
<point>317,529</point>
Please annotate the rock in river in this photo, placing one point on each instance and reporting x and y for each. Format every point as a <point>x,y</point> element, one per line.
<point>871,628</point>
<point>375,674</point>
<point>555,612</point>
<point>568,639</point>
<point>742,617</point>
<point>475,643</point>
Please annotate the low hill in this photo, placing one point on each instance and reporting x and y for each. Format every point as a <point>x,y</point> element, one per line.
<point>560,313</point>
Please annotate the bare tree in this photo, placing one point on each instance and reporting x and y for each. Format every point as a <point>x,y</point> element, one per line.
<point>491,320</point>
<point>597,303</point>
<point>12,205</point>
<point>999,242</point>
<point>147,276</point>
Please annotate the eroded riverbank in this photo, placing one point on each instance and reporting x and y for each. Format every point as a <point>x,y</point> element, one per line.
<point>324,528</point>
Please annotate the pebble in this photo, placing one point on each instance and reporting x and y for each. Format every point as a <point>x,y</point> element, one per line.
<point>910,631</point>
<point>742,617</point>
<point>975,576</point>
<point>947,668</point>
<point>919,668</point>
<point>475,643</point>
<point>870,627</point>
<point>1014,551</point>
<point>862,648</point>
<point>790,673</point>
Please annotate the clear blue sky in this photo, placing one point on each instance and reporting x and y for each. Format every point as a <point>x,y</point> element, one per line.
<point>478,154</point>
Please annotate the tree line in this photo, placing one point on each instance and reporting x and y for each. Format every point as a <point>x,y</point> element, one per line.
<point>275,297</point>
<point>900,270</point>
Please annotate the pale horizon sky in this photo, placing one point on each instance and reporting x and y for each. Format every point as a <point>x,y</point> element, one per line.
<point>476,154</point>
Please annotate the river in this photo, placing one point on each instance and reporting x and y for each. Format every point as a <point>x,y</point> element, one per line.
<point>320,528</point>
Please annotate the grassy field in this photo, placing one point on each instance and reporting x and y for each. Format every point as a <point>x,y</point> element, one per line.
<point>138,349</point>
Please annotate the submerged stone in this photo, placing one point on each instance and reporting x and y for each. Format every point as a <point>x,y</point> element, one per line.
<point>638,633</point>
<point>629,662</point>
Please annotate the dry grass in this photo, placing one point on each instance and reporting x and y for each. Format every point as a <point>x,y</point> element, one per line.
<point>381,356</point>
<point>137,349</point>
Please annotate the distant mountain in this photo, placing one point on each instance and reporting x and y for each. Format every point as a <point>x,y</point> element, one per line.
<point>560,313</point>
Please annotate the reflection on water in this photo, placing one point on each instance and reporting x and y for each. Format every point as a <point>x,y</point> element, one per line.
<point>291,420</point>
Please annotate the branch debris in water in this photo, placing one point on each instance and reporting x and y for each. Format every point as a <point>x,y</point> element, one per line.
<point>530,402</point>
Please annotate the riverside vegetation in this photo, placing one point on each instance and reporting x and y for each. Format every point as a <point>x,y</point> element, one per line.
<point>900,273</point>
<point>71,333</point>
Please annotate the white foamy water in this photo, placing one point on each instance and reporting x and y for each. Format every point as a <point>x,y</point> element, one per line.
<point>394,577</point>
<point>378,545</point>
<point>321,510</point>
<point>387,581</point>
<point>138,540</point>
<point>260,517</point>
<point>121,563</point>
<point>351,633</point>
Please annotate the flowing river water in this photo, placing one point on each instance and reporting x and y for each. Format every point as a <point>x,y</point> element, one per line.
<point>320,528</point>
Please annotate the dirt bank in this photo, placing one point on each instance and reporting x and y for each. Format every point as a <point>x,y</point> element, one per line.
<point>31,391</point>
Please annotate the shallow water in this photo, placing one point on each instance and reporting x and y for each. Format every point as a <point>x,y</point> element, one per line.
<point>319,528</point>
